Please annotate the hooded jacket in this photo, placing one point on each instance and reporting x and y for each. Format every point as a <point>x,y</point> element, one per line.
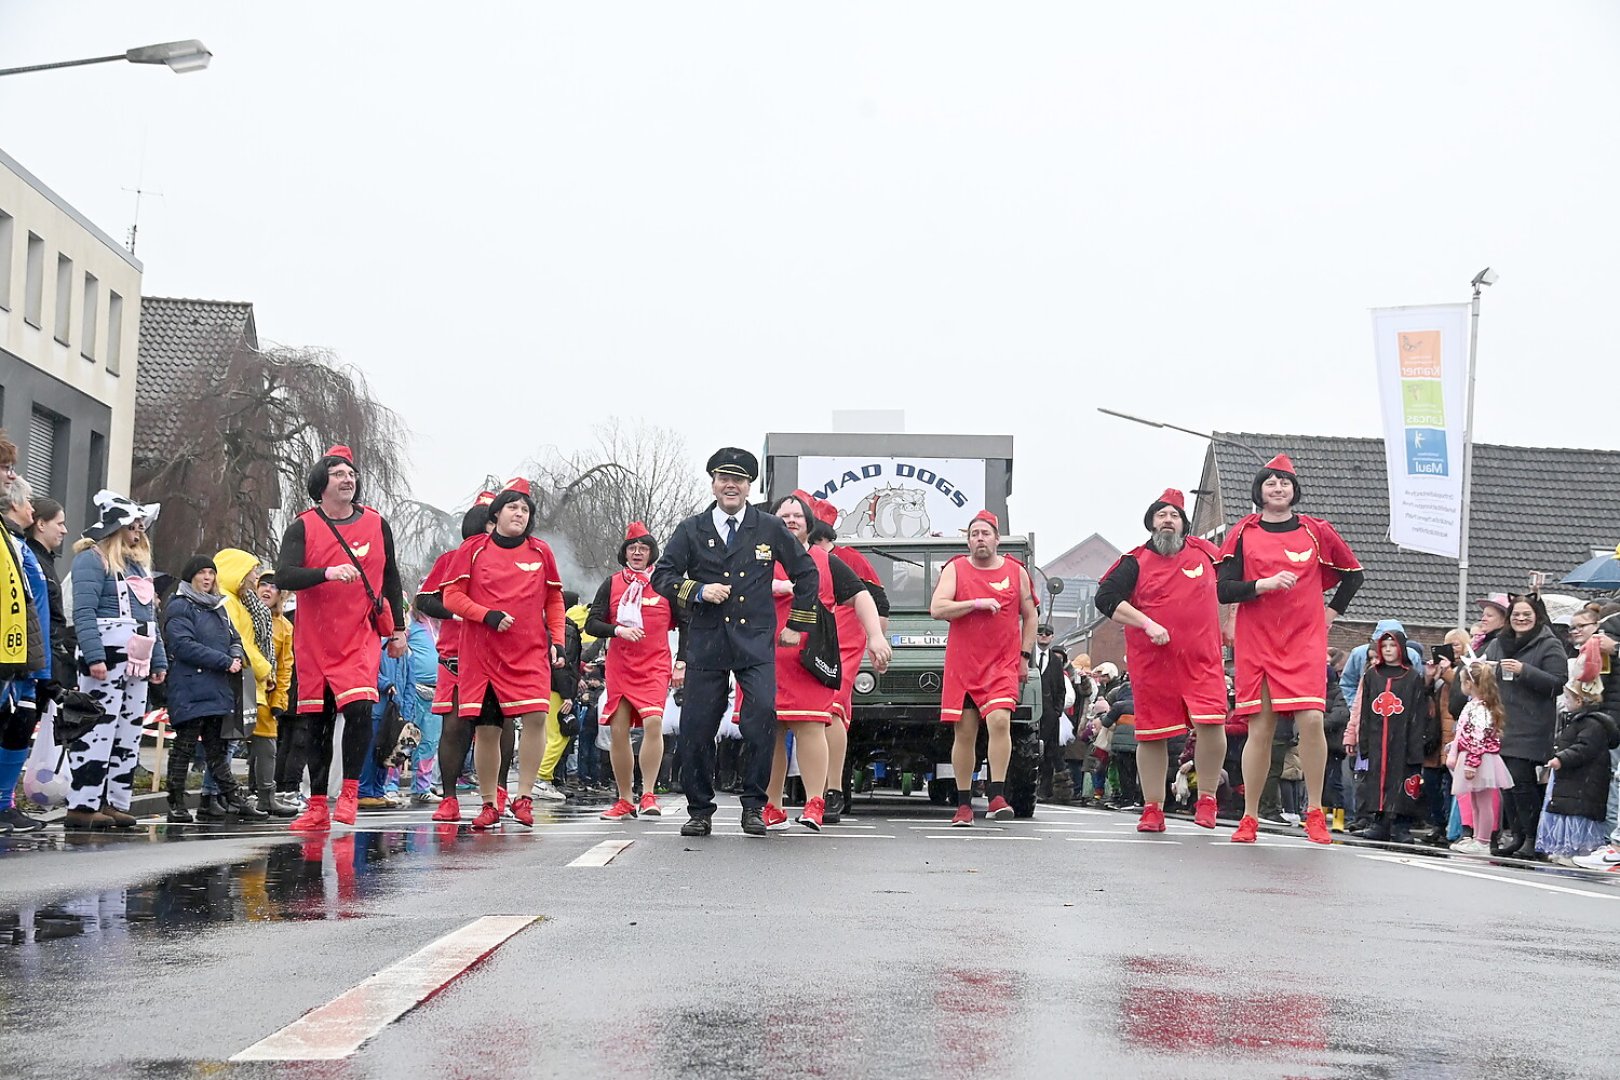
<point>1394,717</point>
<point>1356,664</point>
<point>1581,784</point>
<point>234,566</point>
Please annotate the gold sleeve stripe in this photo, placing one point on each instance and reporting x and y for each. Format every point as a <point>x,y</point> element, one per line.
<point>802,617</point>
<point>684,595</point>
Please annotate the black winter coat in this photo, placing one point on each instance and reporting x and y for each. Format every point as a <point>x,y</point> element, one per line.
<point>201,644</point>
<point>1531,697</point>
<point>62,657</point>
<point>1581,784</point>
<point>1337,717</point>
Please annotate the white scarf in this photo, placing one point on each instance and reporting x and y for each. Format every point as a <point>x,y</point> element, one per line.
<point>630,603</point>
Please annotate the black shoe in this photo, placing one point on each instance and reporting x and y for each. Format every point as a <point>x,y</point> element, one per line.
<point>13,820</point>
<point>239,806</point>
<point>835,807</point>
<point>1273,816</point>
<point>212,808</point>
<point>1506,842</point>
<point>698,826</point>
<point>178,814</point>
<point>1378,832</point>
<point>753,822</point>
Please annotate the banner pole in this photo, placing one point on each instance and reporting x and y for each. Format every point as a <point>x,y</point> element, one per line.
<point>1468,464</point>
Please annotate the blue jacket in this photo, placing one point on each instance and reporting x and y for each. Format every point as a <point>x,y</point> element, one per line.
<point>424,659</point>
<point>1356,665</point>
<point>396,674</point>
<point>95,595</point>
<point>201,641</point>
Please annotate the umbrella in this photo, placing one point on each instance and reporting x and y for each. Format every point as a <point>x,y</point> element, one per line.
<point>1602,572</point>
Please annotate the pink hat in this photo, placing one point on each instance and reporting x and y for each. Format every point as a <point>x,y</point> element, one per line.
<point>1497,600</point>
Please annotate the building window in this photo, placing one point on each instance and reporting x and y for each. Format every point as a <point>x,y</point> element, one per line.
<point>47,432</point>
<point>98,473</point>
<point>34,300</point>
<point>7,227</point>
<point>115,331</point>
<point>92,308</point>
<point>64,298</point>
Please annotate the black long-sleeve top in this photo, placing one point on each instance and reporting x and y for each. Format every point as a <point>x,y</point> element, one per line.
<point>1117,586</point>
<point>1231,587</point>
<point>292,574</point>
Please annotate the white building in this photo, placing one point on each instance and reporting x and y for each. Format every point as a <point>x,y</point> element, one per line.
<point>69,320</point>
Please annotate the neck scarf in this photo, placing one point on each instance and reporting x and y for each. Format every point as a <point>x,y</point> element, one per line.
<point>263,631</point>
<point>636,582</point>
<point>207,600</point>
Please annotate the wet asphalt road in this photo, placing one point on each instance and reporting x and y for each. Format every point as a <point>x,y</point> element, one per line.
<point>887,947</point>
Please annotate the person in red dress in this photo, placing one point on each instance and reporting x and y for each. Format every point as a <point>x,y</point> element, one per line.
<point>1163,593</point>
<point>508,593</point>
<point>339,557</point>
<point>636,622</point>
<point>804,706</point>
<point>1275,566</point>
<point>851,645</point>
<point>989,602</point>
<point>457,734</point>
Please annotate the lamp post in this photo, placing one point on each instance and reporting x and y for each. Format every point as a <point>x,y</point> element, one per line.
<point>180,57</point>
<point>1176,427</point>
<point>1486,276</point>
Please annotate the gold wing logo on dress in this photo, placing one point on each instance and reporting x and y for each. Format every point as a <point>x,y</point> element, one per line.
<point>1299,556</point>
<point>1001,586</point>
<point>529,567</point>
<point>360,550</point>
<point>1194,572</point>
<point>649,601</point>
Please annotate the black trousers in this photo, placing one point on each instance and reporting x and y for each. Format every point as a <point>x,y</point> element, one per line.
<point>705,705</point>
<point>184,749</point>
<point>292,750</point>
<point>1521,804</point>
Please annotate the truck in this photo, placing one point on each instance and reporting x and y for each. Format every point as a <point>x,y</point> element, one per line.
<point>905,502</point>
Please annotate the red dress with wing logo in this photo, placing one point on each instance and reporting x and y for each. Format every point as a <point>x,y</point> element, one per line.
<point>982,658</point>
<point>639,671</point>
<point>1279,640</point>
<point>1182,682</point>
<point>335,645</point>
<point>799,696</point>
<point>444,690</point>
<point>851,635</point>
<point>523,582</point>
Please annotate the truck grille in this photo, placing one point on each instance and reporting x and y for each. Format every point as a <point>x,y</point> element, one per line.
<point>908,682</point>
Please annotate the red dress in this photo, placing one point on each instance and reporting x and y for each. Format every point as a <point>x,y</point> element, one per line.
<point>1279,640</point>
<point>982,658</point>
<point>799,696</point>
<point>444,690</point>
<point>639,671</point>
<point>1182,682</point>
<point>335,646</point>
<point>523,582</point>
<point>851,634</point>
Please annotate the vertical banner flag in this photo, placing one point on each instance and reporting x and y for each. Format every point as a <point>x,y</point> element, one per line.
<point>1422,355</point>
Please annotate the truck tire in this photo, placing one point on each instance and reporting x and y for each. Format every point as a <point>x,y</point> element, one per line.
<point>1024,770</point>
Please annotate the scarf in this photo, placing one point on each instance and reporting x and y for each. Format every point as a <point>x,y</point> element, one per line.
<point>264,635</point>
<point>201,599</point>
<point>1510,643</point>
<point>636,582</point>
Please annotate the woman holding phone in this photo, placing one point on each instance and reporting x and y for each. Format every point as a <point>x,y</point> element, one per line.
<point>1531,669</point>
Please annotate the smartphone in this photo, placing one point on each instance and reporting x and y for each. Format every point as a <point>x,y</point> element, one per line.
<point>1444,652</point>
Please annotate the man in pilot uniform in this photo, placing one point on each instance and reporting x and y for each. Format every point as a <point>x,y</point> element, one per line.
<point>718,568</point>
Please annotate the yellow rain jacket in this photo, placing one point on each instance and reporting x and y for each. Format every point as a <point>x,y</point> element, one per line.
<point>234,566</point>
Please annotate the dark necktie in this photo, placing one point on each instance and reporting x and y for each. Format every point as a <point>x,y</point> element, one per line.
<point>731,532</point>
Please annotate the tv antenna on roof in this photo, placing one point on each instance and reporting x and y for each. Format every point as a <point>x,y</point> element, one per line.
<point>134,229</point>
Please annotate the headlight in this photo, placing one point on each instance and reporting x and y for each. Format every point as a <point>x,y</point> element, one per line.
<point>864,683</point>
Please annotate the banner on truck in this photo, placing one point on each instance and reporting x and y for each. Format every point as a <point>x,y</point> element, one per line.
<point>1422,356</point>
<point>897,497</point>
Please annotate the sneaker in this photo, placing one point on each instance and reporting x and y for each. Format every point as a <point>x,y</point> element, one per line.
<point>834,800</point>
<point>316,819</point>
<point>1204,814</point>
<point>649,806</point>
<point>500,801</point>
<point>1247,830</point>
<point>1152,818</point>
<point>544,789</point>
<point>523,811</point>
<point>487,818</point>
<point>810,818</point>
<point>1604,858</point>
<point>1316,826</point>
<point>1291,819</point>
<point>963,819</point>
<point>12,819</point>
<point>775,819</point>
<point>999,808</point>
<point>420,799</point>
<point>449,810</point>
<point>1468,845</point>
<point>619,811</point>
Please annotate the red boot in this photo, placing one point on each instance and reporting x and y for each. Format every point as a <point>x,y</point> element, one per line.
<point>315,819</point>
<point>348,804</point>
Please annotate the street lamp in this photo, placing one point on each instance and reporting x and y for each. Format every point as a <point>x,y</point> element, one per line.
<point>180,57</point>
<point>1176,427</point>
<point>1486,276</point>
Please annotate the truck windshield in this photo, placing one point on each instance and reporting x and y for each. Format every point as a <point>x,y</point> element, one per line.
<point>908,577</point>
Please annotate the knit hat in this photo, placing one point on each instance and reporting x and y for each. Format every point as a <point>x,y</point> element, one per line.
<point>118,512</point>
<point>1277,466</point>
<point>637,532</point>
<point>196,565</point>
<point>1171,497</point>
<point>320,472</point>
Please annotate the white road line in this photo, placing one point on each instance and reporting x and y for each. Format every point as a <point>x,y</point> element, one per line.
<point>602,853</point>
<point>1115,840</point>
<point>964,836</point>
<point>937,827</point>
<point>795,832</point>
<point>1548,886</point>
<point>341,1026</point>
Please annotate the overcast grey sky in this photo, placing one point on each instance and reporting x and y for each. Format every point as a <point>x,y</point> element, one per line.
<point>733,218</point>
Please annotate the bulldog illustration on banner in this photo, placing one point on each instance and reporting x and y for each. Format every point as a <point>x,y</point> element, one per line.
<point>896,497</point>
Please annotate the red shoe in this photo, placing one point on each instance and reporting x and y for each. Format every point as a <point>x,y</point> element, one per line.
<point>963,818</point>
<point>1316,826</point>
<point>449,809</point>
<point>315,819</point>
<point>619,811</point>
<point>500,801</point>
<point>775,820</point>
<point>1204,815</point>
<point>813,810</point>
<point>523,811</point>
<point>487,818</point>
<point>348,804</point>
<point>1246,831</point>
<point>649,805</point>
<point>999,808</point>
<point>1152,818</point>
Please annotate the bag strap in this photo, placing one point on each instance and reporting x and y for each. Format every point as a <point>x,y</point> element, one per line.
<point>371,594</point>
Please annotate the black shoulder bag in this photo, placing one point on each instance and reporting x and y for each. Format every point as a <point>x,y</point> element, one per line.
<point>820,655</point>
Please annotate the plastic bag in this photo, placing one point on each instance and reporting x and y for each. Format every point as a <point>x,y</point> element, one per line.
<point>1065,731</point>
<point>45,775</point>
<point>672,717</point>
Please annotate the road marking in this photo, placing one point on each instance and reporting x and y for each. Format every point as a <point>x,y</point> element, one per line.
<point>602,853</point>
<point>795,832</point>
<point>1115,840</point>
<point>936,827</point>
<point>341,1026</point>
<point>964,836</point>
<point>1548,886</point>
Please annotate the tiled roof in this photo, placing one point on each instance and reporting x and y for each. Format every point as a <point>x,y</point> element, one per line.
<point>181,339</point>
<point>1534,508</point>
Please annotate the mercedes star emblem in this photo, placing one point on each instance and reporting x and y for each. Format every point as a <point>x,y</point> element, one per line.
<point>929,680</point>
